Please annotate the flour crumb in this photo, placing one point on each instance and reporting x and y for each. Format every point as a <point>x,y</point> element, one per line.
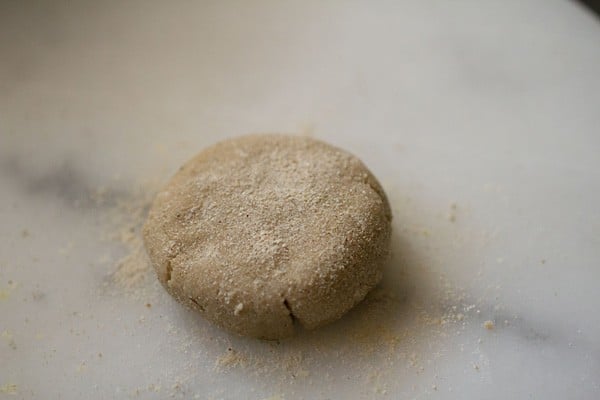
<point>133,269</point>
<point>274,397</point>
<point>231,358</point>
<point>5,293</point>
<point>9,388</point>
<point>489,325</point>
<point>238,309</point>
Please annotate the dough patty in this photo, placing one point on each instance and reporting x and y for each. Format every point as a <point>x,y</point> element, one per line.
<point>262,232</point>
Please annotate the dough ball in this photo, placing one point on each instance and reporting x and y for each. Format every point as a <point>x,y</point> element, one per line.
<point>263,232</point>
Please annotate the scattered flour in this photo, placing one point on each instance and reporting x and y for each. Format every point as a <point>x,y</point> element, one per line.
<point>390,329</point>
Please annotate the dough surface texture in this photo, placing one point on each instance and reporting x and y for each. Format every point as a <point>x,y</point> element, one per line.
<point>261,233</point>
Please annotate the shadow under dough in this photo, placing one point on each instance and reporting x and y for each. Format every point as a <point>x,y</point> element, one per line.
<point>381,322</point>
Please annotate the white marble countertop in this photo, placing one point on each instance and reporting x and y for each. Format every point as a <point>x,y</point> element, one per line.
<point>481,120</point>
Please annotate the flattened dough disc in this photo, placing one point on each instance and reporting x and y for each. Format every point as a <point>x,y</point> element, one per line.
<point>262,232</point>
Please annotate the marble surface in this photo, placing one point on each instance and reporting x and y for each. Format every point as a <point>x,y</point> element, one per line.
<point>481,120</point>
